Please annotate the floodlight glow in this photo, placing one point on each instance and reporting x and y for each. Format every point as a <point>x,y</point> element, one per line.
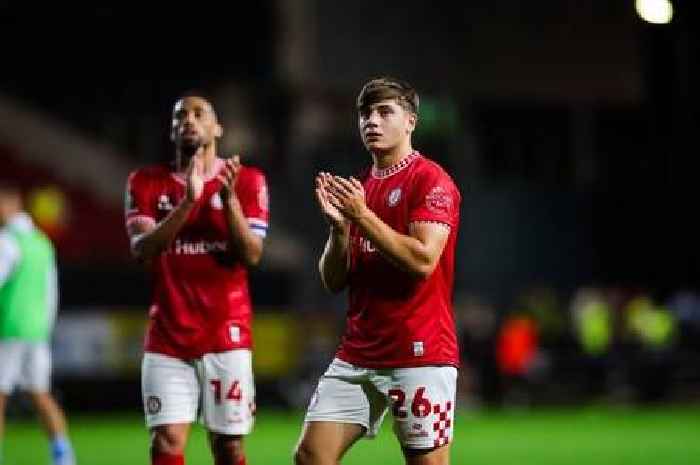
<point>654,11</point>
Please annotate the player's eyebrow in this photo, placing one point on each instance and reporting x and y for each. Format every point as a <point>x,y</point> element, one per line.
<point>377,106</point>
<point>201,108</point>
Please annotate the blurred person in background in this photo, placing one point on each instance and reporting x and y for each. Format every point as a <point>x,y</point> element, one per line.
<point>592,319</point>
<point>652,330</point>
<point>198,225</point>
<point>517,354</point>
<point>392,244</point>
<point>28,306</point>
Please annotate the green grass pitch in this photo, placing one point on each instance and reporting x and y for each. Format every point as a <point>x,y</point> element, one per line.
<point>596,436</point>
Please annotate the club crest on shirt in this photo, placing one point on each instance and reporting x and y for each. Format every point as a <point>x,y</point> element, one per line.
<point>438,200</point>
<point>164,202</point>
<point>394,197</point>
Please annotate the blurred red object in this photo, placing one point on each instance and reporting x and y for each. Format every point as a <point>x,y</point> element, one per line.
<point>84,228</point>
<point>517,345</point>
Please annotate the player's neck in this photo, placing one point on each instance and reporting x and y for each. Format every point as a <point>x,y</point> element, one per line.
<point>385,159</point>
<point>206,154</point>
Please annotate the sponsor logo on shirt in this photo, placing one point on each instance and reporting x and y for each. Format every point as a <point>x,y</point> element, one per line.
<point>438,200</point>
<point>394,197</point>
<point>366,246</point>
<point>181,247</point>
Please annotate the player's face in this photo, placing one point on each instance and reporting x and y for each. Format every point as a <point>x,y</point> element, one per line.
<point>385,125</point>
<point>9,205</point>
<point>194,123</point>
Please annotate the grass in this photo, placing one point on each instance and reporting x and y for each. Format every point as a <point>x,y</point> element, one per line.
<point>600,436</point>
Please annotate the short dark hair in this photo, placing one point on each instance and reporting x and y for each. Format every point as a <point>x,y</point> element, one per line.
<point>385,87</point>
<point>200,93</point>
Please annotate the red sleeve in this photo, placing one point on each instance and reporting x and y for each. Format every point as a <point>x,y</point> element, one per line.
<point>252,193</point>
<point>434,197</point>
<point>137,204</point>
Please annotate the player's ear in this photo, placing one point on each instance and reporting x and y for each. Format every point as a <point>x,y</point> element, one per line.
<point>412,120</point>
<point>218,131</point>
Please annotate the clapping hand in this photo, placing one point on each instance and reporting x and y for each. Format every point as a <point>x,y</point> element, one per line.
<point>327,203</point>
<point>194,179</point>
<point>347,196</point>
<point>229,174</point>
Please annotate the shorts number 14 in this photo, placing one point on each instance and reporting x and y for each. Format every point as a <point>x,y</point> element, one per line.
<point>233,393</point>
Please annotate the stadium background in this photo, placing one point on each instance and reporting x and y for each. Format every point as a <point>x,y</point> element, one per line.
<point>569,126</point>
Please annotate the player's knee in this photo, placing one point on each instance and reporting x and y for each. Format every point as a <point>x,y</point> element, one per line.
<point>43,401</point>
<point>305,454</point>
<point>166,440</point>
<point>430,456</point>
<point>227,449</point>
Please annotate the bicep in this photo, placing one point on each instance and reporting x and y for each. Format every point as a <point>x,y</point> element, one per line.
<point>433,237</point>
<point>258,241</point>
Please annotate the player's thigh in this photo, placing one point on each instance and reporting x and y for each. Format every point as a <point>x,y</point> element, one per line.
<point>344,394</point>
<point>325,442</point>
<point>423,404</point>
<point>170,390</point>
<point>228,392</point>
<point>12,360</point>
<point>36,373</point>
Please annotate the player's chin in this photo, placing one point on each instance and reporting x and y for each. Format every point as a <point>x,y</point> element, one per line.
<point>375,145</point>
<point>190,143</point>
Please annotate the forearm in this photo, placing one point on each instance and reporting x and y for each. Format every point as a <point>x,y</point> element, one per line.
<point>147,245</point>
<point>334,263</point>
<point>248,244</point>
<point>405,252</point>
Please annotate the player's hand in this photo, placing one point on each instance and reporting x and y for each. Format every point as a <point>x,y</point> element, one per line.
<point>347,196</point>
<point>195,180</point>
<point>323,196</point>
<point>229,174</point>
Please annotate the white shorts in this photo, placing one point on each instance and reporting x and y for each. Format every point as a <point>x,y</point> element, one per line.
<point>422,400</point>
<point>219,386</point>
<point>26,365</point>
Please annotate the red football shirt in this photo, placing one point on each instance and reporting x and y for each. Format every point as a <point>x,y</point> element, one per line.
<point>201,303</point>
<point>395,320</point>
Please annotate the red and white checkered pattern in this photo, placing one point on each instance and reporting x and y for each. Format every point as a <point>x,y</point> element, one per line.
<point>442,424</point>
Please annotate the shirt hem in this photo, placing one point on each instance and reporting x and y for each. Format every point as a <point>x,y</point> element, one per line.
<point>417,364</point>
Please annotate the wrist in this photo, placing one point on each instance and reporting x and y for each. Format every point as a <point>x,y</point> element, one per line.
<point>362,214</point>
<point>338,231</point>
<point>231,201</point>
